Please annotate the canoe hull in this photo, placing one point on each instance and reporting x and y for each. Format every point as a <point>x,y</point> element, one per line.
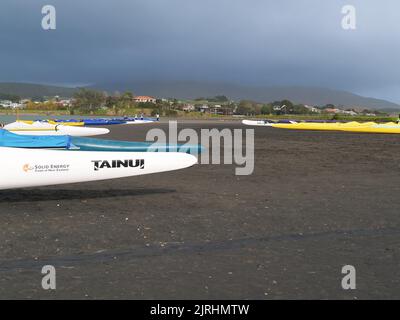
<point>139,122</point>
<point>46,129</point>
<point>81,132</point>
<point>257,123</point>
<point>20,168</point>
<point>324,126</point>
<point>266,123</point>
<point>377,129</point>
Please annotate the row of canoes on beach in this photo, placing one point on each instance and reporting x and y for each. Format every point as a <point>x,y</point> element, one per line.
<point>363,127</point>
<point>32,159</point>
<point>69,127</point>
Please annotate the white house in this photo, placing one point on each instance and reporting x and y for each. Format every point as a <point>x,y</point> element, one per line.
<point>5,103</point>
<point>312,109</point>
<point>65,102</point>
<point>188,107</point>
<point>204,108</point>
<point>216,109</point>
<point>350,112</point>
<point>10,104</point>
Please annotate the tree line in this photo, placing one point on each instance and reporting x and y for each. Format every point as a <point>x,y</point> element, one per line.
<point>10,97</point>
<point>248,107</point>
<point>91,101</point>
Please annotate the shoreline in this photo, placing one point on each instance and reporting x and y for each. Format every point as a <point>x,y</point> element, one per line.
<point>208,117</point>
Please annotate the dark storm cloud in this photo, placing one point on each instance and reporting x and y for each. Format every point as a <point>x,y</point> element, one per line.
<point>297,42</point>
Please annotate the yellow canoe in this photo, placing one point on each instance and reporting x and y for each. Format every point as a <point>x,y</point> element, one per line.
<point>72,124</point>
<point>362,127</point>
<point>337,126</point>
<point>377,128</point>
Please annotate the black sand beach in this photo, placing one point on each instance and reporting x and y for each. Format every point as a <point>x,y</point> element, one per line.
<point>316,201</point>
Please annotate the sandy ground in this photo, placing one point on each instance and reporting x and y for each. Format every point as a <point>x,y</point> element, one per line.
<point>316,201</point>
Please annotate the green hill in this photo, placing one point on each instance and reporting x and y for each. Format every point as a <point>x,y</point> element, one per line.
<point>28,90</point>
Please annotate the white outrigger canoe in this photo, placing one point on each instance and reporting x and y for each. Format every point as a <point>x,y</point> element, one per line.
<point>264,123</point>
<point>46,129</point>
<point>140,121</point>
<point>32,161</point>
<point>257,123</point>
<point>20,168</point>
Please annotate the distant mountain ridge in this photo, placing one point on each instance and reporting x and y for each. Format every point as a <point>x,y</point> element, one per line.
<point>304,95</point>
<point>192,90</point>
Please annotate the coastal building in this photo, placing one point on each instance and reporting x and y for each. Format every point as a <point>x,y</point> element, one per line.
<point>216,109</point>
<point>203,108</point>
<point>336,110</point>
<point>144,99</point>
<point>66,102</point>
<point>10,104</point>
<point>350,112</point>
<point>312,109</point>
<point>5,103</point>
<point>280,108</point>
<point>188,107</point>
<point>332,110</point>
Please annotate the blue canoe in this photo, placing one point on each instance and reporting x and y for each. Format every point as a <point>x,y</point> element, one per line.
<point>11,140</point>
<point>93,122</point>
<point>102,122</point>
<point>135,119</point>
<point>288,121</point>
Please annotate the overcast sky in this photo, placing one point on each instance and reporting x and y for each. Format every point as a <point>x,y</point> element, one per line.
<point>254,42</point>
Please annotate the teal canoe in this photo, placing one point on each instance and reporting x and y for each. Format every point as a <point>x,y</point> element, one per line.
<point>11,140</point>
<point>90,144</point>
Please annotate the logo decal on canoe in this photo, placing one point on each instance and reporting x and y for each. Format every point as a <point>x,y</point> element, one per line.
<point>40,168</point>
<point>26,168</point>
<point>112,164</point>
